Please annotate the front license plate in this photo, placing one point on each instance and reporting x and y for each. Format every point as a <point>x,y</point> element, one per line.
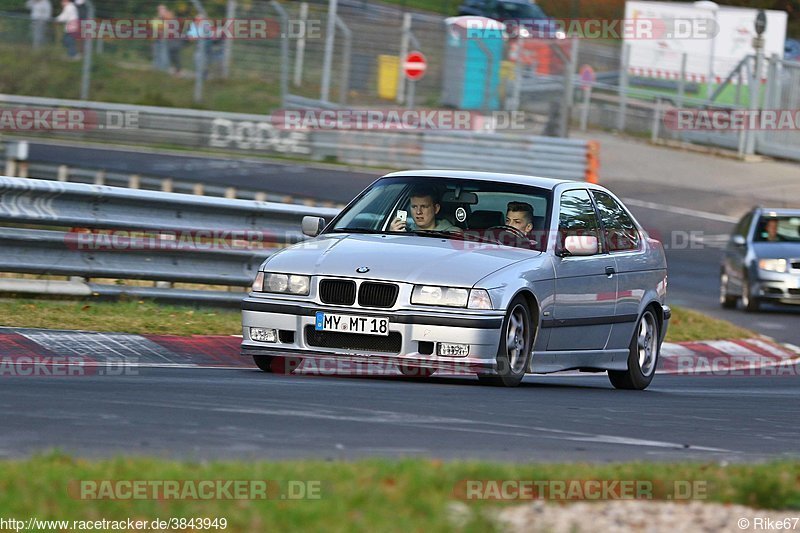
<point>366,325</point>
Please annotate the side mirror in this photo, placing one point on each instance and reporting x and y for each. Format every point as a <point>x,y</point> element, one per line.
<point>313,226</point>
<point>738,240</point>
<point>580,245</point>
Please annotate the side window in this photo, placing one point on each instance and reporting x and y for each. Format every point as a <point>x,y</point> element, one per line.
<point>743,225</point>
<point>621,232</point>
<point>577,216</point>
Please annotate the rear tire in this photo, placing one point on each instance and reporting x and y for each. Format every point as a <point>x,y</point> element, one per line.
<point>513,354</point>
<point>726,300</point>
<point>642,356</point>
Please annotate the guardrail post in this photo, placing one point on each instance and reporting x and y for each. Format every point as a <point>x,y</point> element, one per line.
<point>100,177</point>
<point>134,181</point>
<point>63,173</point>
<point>198,189</point>
<point>261,197</point>
<point>167,185</point>
<point>230,193</point>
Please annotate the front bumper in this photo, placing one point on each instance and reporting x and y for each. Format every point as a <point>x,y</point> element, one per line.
<point>779,287</point>
<point>419,332</point>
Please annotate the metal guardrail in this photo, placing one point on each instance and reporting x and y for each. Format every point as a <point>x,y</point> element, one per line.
<point>162,237</point>
<point>237,132</point>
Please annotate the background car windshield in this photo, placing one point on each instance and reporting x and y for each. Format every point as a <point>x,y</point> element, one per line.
<point>465,204</point>
<point>786,230</point>
<point>514,10</point>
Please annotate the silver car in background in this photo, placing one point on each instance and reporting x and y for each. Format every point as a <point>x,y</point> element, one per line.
<point>761,262</point>
<point>581,287</point>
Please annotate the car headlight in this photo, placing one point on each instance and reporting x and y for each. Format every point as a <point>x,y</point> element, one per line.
<point>451,297</point>
<point>282,283</point>
<point>433,295</point>
<point>772,265</point>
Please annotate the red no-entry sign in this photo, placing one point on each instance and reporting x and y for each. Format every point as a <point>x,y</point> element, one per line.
<point>414,66</point>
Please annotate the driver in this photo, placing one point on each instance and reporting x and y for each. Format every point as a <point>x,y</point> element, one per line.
<point>424,208</point>
<point>519,215</point>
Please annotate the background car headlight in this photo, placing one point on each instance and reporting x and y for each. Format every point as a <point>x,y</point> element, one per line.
<point>433,295</point>
<point>773,265</point>
<point>479,299</point>
<point>285,283</point>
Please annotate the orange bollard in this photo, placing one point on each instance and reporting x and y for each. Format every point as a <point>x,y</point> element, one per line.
<point>592,161</point>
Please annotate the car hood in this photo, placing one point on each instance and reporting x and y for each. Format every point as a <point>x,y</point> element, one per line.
<point>403,258</point>
<point>776,250</point>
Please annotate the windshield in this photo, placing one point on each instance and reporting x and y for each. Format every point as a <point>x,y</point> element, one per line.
<point>514,10</point>
<point>778,229</point>
<point>484,211</point>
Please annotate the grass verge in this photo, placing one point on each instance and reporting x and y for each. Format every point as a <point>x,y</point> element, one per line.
<point>147,317</point>
<point>366,495</point>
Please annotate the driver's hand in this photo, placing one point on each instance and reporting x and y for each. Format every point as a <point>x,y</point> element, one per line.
<point>397,225</point>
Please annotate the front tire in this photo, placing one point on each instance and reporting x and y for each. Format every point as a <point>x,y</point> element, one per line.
<point>752,304</point>
<point>513,354</point>
<point>642,355</point>
<point>725,299</point>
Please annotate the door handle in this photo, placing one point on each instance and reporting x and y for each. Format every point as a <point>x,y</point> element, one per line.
<point>610,271</point>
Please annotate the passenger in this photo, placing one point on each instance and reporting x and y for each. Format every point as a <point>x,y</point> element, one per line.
<point>425,205</point>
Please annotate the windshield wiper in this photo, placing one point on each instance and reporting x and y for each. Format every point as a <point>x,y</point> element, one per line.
<point>436,233</point>
<point>354,230</point>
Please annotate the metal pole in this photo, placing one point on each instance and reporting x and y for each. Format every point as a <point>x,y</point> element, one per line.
<point>401,79</point>
<point>327,60</point>
<point>710,84</point>
<point>623,88</point>
<point>754,91</point>
<point>587,98</point>
<point>86,73</point>
<point>300,49</point>
<point>199,65</point>
<point>284,49</point>
<point>344,84</point>
<point>227,44</point>
<point>656,120</point>
<point>682,80</point>
<point>569,87</point>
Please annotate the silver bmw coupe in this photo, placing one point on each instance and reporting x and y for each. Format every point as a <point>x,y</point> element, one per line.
<point>499,274</point>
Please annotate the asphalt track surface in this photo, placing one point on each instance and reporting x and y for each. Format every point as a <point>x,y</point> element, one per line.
<point>225,413</point>
<point>244,413</point>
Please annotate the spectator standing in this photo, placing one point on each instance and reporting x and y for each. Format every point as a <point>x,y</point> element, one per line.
<point>41,13</point>
<point>172,44</point>
<point>69,17</point>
